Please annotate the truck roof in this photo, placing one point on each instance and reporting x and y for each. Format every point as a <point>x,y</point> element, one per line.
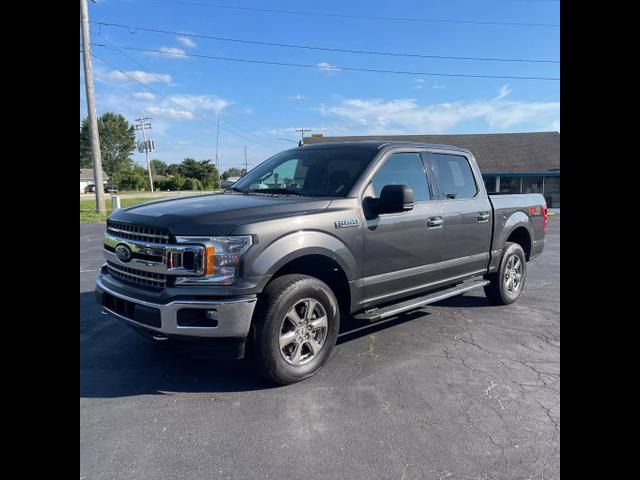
<point>378,144</point>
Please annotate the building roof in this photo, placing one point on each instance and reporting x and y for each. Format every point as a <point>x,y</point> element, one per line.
<point>495,152</point>
<point>87,174</point>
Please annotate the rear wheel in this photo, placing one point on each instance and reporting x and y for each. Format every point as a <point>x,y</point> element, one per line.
<point>507,283</point>
<point>296,327</point>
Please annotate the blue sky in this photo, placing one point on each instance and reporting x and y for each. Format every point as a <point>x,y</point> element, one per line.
<point>261,104</point>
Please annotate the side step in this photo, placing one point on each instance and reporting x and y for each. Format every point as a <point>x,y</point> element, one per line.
<point>380,313</point>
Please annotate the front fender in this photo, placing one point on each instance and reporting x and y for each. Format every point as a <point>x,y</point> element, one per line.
<point>301,243</point>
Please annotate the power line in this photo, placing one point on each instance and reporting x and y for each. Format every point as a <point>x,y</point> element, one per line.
<point>325,49</point>
<point>178,104</point>
<point>359,17</point>
<point>335,67</point>
<point>190,101</point>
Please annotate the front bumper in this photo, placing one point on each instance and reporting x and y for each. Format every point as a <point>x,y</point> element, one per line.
<point>162,320</point>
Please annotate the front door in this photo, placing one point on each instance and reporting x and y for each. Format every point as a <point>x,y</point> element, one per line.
<point>401,250</point>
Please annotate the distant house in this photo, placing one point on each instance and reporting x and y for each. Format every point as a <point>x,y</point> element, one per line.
<point>510,162</point>
<point>228,182</point>
<point>86,178</point>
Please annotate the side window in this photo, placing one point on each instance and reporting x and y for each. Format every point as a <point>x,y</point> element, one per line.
<point>401,169</point>
<point>454,175</point>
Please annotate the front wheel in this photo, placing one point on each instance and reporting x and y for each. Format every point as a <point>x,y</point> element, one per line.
<point>507,283</point>
<point>296,327</point>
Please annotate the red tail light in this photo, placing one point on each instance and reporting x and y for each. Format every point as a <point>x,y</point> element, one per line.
<point>545,218</point>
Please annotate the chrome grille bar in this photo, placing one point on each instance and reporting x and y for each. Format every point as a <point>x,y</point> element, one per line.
<point>139,277</point>
<point>138,232</point>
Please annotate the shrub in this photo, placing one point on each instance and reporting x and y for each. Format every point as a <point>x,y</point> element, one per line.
<point>192,184</point>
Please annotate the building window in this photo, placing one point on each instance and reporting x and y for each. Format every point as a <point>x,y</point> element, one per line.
<point>509,184</point>
<point>490,183</point>
<point>531,184</point>
<point>552,191</point>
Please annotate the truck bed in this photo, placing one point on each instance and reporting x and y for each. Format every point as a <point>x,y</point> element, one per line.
<point>510,207</point>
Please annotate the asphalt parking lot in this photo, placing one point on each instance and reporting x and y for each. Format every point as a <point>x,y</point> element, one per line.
<point>456,390</point>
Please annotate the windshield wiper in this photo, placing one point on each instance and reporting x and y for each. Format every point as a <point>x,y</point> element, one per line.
<point>276,191</point>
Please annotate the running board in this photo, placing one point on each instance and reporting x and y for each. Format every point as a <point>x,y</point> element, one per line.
<point>377,314</point>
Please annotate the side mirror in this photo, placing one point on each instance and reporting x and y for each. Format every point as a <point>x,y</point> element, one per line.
<point>396,199</point>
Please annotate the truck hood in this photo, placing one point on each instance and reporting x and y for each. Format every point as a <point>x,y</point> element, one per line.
<point>216,214</point>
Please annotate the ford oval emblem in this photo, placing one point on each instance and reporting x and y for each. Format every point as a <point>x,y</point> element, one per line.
<point>124,253</point>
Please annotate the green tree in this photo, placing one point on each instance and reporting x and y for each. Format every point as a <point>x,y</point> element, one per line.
<point>117,141</point>
<point>172,169</point>
<point>85,148</point>
<point>192,184</point>
<point>174,183</point>
<point>233,172</point>
<point>131,178</point>
<point>201,170</point>
<point>158,167</point>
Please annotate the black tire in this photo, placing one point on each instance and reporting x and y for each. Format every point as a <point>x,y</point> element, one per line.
<point>278,299</point>
<point>498,291</point>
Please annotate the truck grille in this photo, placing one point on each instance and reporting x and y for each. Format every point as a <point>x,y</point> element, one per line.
<point>138,277</point>
<point>138,233</point>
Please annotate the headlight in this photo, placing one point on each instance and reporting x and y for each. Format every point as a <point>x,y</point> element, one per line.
<point>222,259</point>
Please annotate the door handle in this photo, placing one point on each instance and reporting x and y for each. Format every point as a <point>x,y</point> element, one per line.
<point>435,222</point>
<point>483,217</point>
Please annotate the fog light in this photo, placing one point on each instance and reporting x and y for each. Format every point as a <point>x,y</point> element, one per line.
<point>197,317</point>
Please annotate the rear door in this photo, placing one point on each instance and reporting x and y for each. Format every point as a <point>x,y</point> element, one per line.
<point>401,250</point>
<point>466,211</point>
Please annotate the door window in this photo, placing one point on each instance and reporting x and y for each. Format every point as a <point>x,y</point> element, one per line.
<point>401,169</point>
<point>454,175</point>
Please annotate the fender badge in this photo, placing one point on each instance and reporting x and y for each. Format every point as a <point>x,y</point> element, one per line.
<point>352,222</point>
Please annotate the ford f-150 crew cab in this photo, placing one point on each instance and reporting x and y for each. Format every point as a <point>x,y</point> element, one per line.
<point>315,233</point>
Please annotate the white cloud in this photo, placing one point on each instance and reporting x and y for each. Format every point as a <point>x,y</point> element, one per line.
<point>296,97</point>
<point>203,103</point>
<point>504,92</point>
<point>327,67</point>
<point>140,76</point>
<point>438,86</point>
<point>186,42</point>
<point>194,105</point>
<point>143,96</point>
<point>168,52</point>
<point>407,116</point>
<point>169,112</point>
<point>419,82</point>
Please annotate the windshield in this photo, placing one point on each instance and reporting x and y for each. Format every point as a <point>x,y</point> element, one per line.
<point>329,172</point>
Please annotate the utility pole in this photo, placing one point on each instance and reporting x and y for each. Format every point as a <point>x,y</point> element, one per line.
<point>96,157</point>
<point>217,141</point>
<point>302,130</point>
<point>146,145</point>
<point>246,163</point>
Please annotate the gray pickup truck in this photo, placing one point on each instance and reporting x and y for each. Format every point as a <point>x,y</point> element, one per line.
<point>315,233</point>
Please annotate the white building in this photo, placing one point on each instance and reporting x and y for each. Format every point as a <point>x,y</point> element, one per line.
<point>86,178</point>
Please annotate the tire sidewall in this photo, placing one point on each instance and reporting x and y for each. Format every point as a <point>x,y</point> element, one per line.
<point>513,249</point>
<point>274,362</point>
